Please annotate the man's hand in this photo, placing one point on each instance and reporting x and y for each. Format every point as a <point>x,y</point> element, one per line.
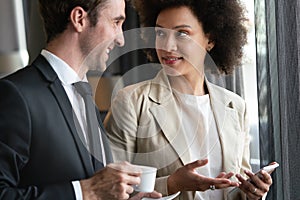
<point>113,182</point>
<point>140,195</point>
<point>187,179</point>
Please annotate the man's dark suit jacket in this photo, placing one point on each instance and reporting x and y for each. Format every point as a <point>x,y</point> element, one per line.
<point>40,149</point>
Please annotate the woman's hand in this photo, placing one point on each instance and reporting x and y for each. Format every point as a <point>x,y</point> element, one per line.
<point>186,178</point>
<point>254,187</point>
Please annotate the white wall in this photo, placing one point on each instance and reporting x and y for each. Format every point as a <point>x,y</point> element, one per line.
<point>13,48</point>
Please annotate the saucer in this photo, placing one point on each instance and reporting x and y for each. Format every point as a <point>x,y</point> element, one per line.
<point>163,198</point>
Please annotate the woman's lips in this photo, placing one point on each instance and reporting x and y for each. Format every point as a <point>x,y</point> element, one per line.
<point>171,60</point>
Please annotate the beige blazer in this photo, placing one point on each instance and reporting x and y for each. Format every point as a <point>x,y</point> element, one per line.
<point>144,126</point>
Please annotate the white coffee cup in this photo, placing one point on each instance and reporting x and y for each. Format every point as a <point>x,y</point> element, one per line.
<point>148,175</point>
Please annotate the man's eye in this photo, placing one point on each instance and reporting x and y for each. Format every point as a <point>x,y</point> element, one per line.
<point>118,23</point>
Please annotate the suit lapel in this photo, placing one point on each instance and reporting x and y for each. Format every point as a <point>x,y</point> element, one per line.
<point>167,116</point>
<point>66,108</point>
<point>107,149</point>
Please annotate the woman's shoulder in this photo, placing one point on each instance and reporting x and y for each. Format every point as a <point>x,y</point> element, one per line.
<point>156,85</point>
<point>138,88</point>
<point>227,96</point>
<point>132,94</point>
<point>226,92</point>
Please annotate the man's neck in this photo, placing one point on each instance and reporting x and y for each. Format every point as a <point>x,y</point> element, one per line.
<point>66,49</point>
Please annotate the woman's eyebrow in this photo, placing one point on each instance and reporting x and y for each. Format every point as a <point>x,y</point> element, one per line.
<point>176,27</point>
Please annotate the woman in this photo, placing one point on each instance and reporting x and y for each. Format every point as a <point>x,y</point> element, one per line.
<point>193,131</point>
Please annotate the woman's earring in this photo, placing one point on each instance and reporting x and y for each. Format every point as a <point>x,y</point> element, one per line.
<point>210,45</point>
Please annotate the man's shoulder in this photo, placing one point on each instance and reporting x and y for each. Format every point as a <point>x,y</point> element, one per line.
<point>28,74</point>
<point>21,76</point>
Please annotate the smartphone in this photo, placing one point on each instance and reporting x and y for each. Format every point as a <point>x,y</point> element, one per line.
<point>269,168</point>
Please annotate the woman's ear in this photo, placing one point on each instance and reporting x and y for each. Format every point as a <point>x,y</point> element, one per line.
<point>78,18</point>
<point>210,45</point>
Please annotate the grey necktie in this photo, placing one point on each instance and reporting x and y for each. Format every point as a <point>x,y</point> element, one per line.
<point>93,133</point>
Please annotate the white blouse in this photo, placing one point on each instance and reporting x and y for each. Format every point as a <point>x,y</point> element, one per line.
<point>202,136</point>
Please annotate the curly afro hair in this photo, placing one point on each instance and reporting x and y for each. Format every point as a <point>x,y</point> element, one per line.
<point>223,20</point>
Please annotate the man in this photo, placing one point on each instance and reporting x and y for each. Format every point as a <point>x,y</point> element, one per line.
<point>42,155</point>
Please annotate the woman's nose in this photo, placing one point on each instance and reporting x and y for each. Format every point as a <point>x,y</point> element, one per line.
<point>170,44</point>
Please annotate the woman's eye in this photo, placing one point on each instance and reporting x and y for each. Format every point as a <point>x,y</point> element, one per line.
<point>182,34</point>
<point>159,33</point>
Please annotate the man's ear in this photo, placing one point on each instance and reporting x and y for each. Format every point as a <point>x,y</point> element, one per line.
<point>78,18</point>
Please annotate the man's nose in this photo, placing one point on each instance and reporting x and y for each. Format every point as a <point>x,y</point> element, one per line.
<point>119,40</point>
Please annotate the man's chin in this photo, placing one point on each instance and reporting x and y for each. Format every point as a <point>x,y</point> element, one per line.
<point>96,71</point>
<point>98,67</point>
<point>102,69</point>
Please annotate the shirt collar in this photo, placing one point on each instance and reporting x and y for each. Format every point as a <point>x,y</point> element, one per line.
<point>64,72</point>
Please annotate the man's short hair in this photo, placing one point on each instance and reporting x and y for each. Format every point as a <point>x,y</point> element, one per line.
<point>56,13</point>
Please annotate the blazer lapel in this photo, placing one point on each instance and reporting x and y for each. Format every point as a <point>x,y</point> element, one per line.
<point>227,126</point>
<point>66,108</point>
<point>167,116</point>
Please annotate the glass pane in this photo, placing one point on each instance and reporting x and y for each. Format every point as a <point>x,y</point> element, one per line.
<point>250,86</point>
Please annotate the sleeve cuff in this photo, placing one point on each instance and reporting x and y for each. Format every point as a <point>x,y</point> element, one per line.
<point>77,190</point>
<point>161,185</point>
